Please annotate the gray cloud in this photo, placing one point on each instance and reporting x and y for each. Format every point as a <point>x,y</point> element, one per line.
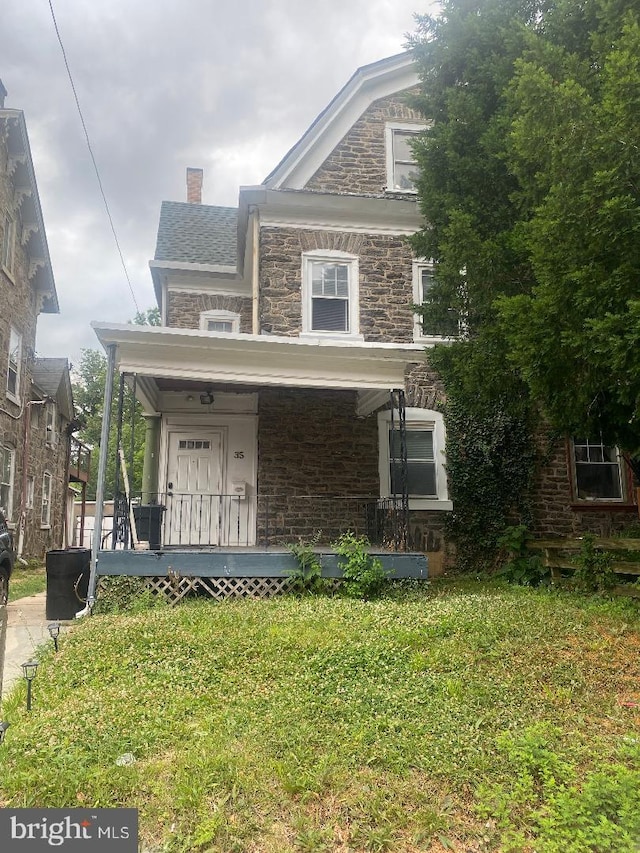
<point>166,84</point>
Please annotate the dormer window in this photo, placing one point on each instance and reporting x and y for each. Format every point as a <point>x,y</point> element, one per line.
<point>8,244</point>
<point>51,431</point>
<point>219,321</point>
<point>402,167</point>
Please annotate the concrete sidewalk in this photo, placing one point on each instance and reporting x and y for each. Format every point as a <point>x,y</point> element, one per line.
<point>23,627</point>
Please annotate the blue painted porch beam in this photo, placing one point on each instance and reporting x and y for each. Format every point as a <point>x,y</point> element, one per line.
<point>236,563</point>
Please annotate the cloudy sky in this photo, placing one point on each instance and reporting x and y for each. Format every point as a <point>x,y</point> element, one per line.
<point>165,84</point>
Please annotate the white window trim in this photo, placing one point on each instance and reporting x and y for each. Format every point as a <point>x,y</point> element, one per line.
<point>419,336</point>
<point>220,315</point>
<point>15,395</point>
<point>389,128</point>
<point>419,418</point>
<point>9,245</point>
<point>46,524</point>
<point>31,483</point>
<point>331,256</point>
<point>51,432</point>
<point>8,510</point>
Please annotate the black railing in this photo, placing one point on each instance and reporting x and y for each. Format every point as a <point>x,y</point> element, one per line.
<point>265,520</point>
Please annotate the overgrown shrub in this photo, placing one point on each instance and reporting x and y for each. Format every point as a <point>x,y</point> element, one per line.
<point>118,594</point>
<point>521,566</point>
<point>364,575</point>
<point>593,568</point>
<point>307,576</point>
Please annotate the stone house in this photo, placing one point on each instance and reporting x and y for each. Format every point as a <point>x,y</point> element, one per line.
<point>288,390</point>
<point>36,407</point>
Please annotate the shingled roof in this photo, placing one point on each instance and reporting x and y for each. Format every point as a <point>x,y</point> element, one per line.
<point>197,234</point>
<point>51,376</point>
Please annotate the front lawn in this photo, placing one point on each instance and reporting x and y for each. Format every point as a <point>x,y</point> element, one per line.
<point>464,717</point>
<point>27,580</point>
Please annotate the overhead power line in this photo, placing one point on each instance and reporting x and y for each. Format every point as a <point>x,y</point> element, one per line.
<point>93,159</point>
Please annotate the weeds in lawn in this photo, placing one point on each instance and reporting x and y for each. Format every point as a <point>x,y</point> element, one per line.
<point>469,716</point>
<point>593,568</point>
<point>364,575</point>
<point>307,576</point>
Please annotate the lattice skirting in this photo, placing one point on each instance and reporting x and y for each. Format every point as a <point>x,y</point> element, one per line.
<point>176,587</point>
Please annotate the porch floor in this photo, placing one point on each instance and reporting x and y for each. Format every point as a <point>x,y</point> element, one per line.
<point>244,562</point>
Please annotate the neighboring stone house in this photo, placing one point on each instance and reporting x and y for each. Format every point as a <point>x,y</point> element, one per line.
<point>36,406</point>
<point>291,372</point>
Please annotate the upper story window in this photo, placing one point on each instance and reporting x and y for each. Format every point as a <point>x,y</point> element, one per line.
<point>219,321</point>
<point>8,244</point>
<point>7,466</point>
<point>330,293</point>
<point>426,475</point>
<point>51,427</point>
<point>598,471</point>
<point>13,366</point>
<point>45,517</point>
<point>425,326</point>
<point>402,168</point>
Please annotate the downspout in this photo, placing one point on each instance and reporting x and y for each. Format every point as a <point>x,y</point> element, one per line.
<point>102,472</point>
<point>255,270</point>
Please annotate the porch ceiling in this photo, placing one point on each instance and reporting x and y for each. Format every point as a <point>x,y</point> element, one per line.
<point>160,353</point>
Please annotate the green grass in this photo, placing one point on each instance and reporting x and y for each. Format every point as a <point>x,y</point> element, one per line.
<point>464,717</point>
<point>27,580</point>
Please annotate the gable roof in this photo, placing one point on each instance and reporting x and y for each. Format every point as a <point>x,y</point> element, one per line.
<point>12,122</point>
<point>197,234</point>
<point>51,377</point>
<point>368,84</point>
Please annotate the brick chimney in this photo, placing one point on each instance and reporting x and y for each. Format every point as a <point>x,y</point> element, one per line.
<point>194,185</point>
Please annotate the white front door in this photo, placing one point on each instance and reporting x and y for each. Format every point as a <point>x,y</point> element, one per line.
<point>194,481</point>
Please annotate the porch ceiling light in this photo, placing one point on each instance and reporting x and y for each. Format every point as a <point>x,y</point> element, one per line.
<point>3,729</point>
<point>207,398</point>
<point>54,633</point>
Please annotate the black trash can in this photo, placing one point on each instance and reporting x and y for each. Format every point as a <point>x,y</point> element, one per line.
<point>148,518</point>
<point>67,582</point>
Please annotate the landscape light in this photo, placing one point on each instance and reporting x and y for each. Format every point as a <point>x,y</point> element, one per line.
<point>29,670</point>
<point>3,729</point>
<point>54,631</point>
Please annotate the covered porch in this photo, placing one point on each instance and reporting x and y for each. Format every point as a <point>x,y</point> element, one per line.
<point>254,442</point>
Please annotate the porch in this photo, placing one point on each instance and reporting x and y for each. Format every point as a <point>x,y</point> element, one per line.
<point>237,545</point>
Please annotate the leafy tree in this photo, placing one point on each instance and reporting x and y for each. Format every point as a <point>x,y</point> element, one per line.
<point>582,318</point>
<point>529,185</point>
<point>88,394</point>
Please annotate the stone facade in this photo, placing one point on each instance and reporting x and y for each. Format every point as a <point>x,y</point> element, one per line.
<point>385,281</point>
<point>317,462</point>
<point>358,163</point>
<point>20,308</point>
<point>556,512</point>
<point>184,309</point>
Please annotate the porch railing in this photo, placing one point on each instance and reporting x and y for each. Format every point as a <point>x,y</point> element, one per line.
<point>263,520</point>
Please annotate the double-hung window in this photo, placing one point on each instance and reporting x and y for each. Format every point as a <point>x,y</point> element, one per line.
<point>51,431</point>
<point>426,479</point>
<point>13,366</point>
<point>598,471</point>
<point>330,293</point>
<point>7,459</point>
<point>439,323</point>
<point>45,517</point>
<point>8,244</point>
<point>402,168</point>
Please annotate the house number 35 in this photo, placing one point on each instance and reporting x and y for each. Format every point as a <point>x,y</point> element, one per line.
<point>238,454</point>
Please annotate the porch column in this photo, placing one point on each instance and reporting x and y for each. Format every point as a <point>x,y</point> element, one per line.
<point>150,464</point>
<point>102,470</point>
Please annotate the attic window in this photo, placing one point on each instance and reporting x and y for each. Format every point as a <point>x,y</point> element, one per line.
<point>402,168</point>
<point>219,321</point>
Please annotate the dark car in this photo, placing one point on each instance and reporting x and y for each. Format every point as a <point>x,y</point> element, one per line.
<point>7,558</point>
